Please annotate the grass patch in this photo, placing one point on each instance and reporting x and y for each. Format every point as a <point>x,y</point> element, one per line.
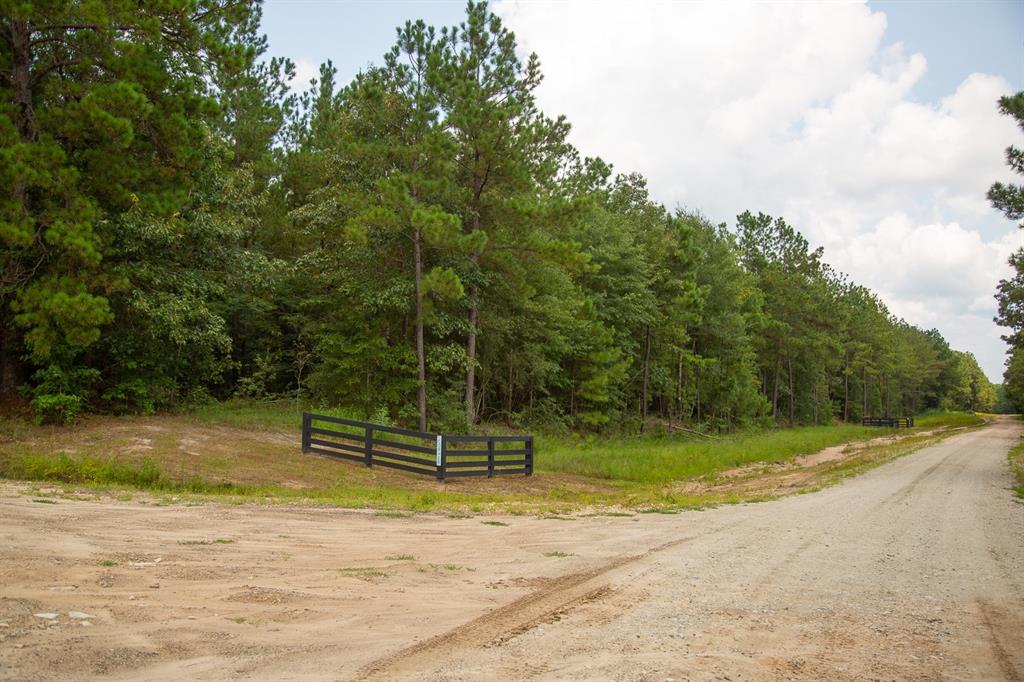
<point>218,541</point>
<point>183,461</point>
<point>1016,458</point>
<point>67,469</point>
<point>363,573</point>
<point>663,458</point>
<point>107,563</point>
<point>393,514</point>
<point>931,420</point>
<point>400,557</point>
<point>559,555</point>
<point>494,523</point>
<point>43,501</point>
<point>444,567</point>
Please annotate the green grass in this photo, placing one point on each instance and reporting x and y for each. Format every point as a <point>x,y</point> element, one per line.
<point>558,555</point>
<point>494,523</point>
<point>218,541</point>
<point>400,557</point>
<point>931,420</point>
<point>638,473</point>
<point>1016,458</point>
<point>85,470</point>
<point>363,573</point>
<point>659,459</point>
<point>392,500</point>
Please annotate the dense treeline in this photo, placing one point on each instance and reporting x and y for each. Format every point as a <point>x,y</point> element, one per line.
<point>1009,199</point>
<point>422,244</point>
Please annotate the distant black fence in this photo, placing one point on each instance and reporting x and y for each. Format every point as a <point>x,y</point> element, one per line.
<point>890,422</point>
<point>431,454</point>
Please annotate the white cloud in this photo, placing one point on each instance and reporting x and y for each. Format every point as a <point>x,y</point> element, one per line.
<point>801,110</point>
<point>305,71</point>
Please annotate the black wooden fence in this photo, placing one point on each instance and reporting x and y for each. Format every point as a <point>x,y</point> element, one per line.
<point>891,422</point>
<point>442,456</point>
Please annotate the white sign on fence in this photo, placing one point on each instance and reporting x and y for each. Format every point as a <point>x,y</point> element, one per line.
<point>439,451</point>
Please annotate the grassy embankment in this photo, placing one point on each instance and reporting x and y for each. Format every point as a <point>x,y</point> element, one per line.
<point>1016,458</point>
<point>247,452</point>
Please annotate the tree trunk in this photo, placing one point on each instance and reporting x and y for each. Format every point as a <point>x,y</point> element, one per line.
<point>864,391</point>
<point>647,376</point>
<point>421,359</point>
<point>679,389</point>
<point>775,390</point>
<point>572,392</point>
<point>474,309</point>
<point>24,109</point>
<point>21,80</point>
<point>471,357</point>
<point>11,365</point>
<point>11,369</point>
<point>792,392</point>
<point>815,394</point>
<point>508,411</point>
<point>696,390</point>
<point>846,395</point>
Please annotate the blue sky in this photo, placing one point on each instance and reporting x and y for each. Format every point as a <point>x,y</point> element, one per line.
<point>871,128</point>
<point>958,38</point>
<point>351,33</point>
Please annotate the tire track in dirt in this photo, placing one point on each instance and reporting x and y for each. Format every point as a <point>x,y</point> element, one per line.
<point>546,604</point>
<point>988,616</point>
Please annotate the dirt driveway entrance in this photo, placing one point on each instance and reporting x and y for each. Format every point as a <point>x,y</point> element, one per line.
<point>914,570</point>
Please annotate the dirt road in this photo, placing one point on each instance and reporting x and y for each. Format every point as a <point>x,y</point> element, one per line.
<point>914,570</point>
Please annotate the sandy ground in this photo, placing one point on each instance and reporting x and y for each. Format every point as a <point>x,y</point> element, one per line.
<point>914,570</point>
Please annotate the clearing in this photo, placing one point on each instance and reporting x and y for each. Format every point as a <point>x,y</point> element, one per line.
<point>914,570</point>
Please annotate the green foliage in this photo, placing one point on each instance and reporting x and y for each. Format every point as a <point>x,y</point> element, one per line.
<point>250,472</point>
<point>1009,199</point>
<point>1016,459</point>
<point>931,420</point>
<point>662,458</point>
<point>421,245</point>
<point>66,469</point>
<point>59,393</point>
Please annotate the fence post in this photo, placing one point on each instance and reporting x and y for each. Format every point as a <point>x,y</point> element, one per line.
<point>307,423</point>
<point>529,455</point>
<point>490,458</point>
<point>442,457</point>
<point>369,446</point>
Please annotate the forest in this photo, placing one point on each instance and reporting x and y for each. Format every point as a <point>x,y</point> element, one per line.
<point>422,246</point>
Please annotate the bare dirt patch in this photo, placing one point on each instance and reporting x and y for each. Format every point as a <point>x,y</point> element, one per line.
<point>912,571</point>
<point>185,447</point>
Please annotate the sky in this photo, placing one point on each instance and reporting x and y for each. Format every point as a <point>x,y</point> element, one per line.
<point>871,127</point>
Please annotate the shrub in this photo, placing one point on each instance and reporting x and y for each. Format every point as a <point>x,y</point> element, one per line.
<point>61,392</point>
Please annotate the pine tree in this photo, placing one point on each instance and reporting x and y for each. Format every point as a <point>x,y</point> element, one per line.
<point>104,109</point>
<point>1009,199</point>
<point>486,93</point>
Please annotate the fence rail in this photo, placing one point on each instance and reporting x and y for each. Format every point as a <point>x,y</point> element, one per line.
<point>432,454</point>
<point>890,422</point>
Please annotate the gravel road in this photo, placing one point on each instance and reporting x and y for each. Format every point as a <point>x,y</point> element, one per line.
<point>914,570</point>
